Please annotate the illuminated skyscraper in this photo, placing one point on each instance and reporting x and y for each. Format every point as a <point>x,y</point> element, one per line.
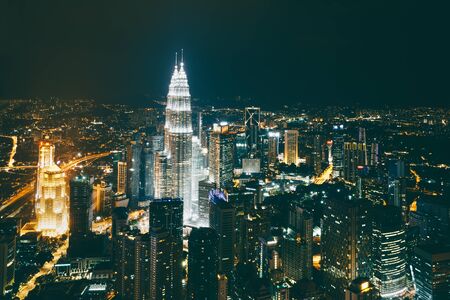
<point>251,122</point>
<point>220,155</point>
<point>273,147</point>
<point>291,147</point>
<point>388,252</point>
<point>431,265</point>
<point>202,264</point>
<point>178,137</point>
<point>121,177</point>
<point>46,159</point>
<point>354,159</point>
<point>345,241</point>
<point>52,204</point>
<point>166,248</point>
<point>199,173</point>
<point>162,176</point>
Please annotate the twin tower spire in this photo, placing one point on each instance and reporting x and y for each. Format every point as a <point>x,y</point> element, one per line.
<point>179,86</point>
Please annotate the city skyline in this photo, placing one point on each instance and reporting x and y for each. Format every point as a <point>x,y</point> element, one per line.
<point>294,190</point>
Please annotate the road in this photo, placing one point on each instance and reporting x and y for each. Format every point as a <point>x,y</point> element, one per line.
<point>14,202</point>
<point>12,153</point>
<point>45,269</point>
<point>325,176</point>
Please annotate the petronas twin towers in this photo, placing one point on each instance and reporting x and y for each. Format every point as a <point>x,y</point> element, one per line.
<point>178,138</point>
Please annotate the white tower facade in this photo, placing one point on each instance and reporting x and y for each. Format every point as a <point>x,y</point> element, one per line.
<point>178,137</point>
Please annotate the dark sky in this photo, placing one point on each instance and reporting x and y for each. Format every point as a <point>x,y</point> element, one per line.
<point>314,51</point>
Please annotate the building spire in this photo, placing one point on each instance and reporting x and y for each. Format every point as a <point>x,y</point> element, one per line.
<point>182,57</point>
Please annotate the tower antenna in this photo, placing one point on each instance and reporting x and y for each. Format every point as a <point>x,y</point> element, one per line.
<point>182,56</point>
<point>176,58</point>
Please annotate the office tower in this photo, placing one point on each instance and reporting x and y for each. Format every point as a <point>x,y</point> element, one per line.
<point>269,259</point>
<point>273,147</point>
<point>338,150</point>
<point>222,219</point>
<point>121,180</point>
<point>432,217</point>
<point>52,202</point>
<point>7,262</point>
<point>119,220</point>
<point>178,137</point>
<point>253,226</point>
<point>240,148</point>
<point>388,252</point>
<point>27,247</point>
<point>166,248</point>
<point>354,160</point>
<point>163,187</point>
<point>134,164</point>
<point>316,154</point>
<point>431,269</point>
<point>374,154</point>
<point>220,155</point>
<point>206,190</point>
<point>296,245</point>
<point>345,241</point>
<point>133,265</point>
<point>102,197</point>
<point>80,206</point>
<point>46,159</point>
<point>252,120</point>
<point>9,234</point>
<point>362,140</point>
<point>397,186</point>
<point>202,264</point>
<point>361,289</point>
<point>153,145</point>
<point>291,147</point>
<point>199,173</point>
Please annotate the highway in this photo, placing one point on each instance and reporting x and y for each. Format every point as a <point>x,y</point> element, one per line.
<point>17,200</point>
<point>44,270</point>
<point>325,176</point>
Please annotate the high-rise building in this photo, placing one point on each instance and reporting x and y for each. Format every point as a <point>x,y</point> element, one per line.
<point>388,252</point>
<point>163,186</point>
<point>222,219</point>
<point>252,119</point>
<point>220,155</point>
<point>166,248</point>
<point>431,270</point>
<point>397,186</point>
<point>338,150</point>
<point>354,160</point>
<point>80,205</point>
<point>296,244</point>
<point>345,241</point>
<point>134,165</point>
<point>205,191</point>
<point>121,180</point>
<point>51,199</point>
<point>9,234</point>
<point>202,264</point>
<point>7,263</point>
<point>222,290</point>
<point>102,197</point>
<point>153,145</point>
<point>291,147</point>
<point>199,173</point>
<point>133,265</point>
<point>178,137</point>
<point>273,147</point>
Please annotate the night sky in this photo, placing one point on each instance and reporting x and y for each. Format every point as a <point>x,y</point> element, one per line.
<point>331,52</point>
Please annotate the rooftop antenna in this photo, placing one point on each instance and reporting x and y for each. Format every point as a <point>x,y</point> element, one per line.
<point>176,59</point>
<point>182,57</point>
